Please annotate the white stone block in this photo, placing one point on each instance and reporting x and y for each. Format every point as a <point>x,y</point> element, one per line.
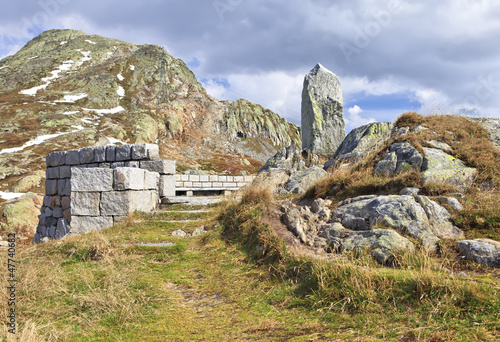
<point>238,179</point>
<point>229,185</point>
<point>194,178</point>
<point>167,186</point>
<point>204,178</point>
<point>85,203</point>
<point>214,178</point>
<point>94,179</point>
<point>151,180</point>
<point>184,178</point>
<point>85,224</point>
<point>128,178</point>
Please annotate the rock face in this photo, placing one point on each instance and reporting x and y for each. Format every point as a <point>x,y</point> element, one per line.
<point>323,126</point>
<point>361,141</point>
<point>418,217</point>
<point>299,183</point>
<point>401,158</point>
<point>288,158</point>
<point>483,251</point>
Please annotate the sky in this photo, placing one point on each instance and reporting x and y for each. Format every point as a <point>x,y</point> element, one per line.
<point>391,56</point>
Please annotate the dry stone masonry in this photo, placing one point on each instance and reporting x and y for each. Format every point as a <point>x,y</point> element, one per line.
<point>96,187</point>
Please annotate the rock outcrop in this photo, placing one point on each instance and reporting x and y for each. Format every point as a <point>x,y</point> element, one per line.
<point>402,157</point>
<point>301,181</point>
<point>288,158</point>
<point>322,124</point>
<point>361,141</point>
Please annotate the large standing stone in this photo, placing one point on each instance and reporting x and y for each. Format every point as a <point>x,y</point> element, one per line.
<point>323,126</point>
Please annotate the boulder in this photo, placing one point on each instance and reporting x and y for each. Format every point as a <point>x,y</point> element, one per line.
<point>482,251</point>
<point>292,218</point>
<point>288,158</point>
<point>299,183</point>
<point>383,244</point>
<point>22,211</point>
<point>441,167</point>
<point>273,179</point>
<point>361,141</point>
<point>417,217</point>
<point>322,115</point>
<point>402,157</point>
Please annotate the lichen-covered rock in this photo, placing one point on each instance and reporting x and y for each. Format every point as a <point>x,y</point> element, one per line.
<point>361,141</point>
<point>417,217</point>
<point>322,124</point>
<point>288,158</point>
<point>441,167</point>
<point>483,251</point>
<point>23,212</point>
<point>402,157</point>
<point>383,244</point>
<point>299,183</point>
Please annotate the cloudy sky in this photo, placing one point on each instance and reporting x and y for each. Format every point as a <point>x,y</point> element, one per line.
<point>391,55</point>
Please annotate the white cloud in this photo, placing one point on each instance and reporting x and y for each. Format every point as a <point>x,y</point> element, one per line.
<point>354,119</point>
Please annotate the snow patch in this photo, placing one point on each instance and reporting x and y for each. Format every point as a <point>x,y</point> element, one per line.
<point>10,195</point>
<point>72,98</point>
<point>33,57</point>
<point>106,111</point>
<point>89,41</point>
<point>55,74</point>
<point>86,57</point>
<point>39,140</point>
<point>132,67</point>
<point>5,66</point>
<point>65,42</point>
<point>113,141</point>
<point>120,77</point>
<point>120,91</point>
<point>70,113</point>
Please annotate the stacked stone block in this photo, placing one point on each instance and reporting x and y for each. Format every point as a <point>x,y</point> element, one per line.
<point>57,217</point>
<point>211,182</point>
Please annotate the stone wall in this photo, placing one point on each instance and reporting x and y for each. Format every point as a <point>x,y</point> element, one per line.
<point>96,187</point>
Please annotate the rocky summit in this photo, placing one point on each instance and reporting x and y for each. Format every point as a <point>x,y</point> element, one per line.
<point>67,90</point>
<point>323,126</point>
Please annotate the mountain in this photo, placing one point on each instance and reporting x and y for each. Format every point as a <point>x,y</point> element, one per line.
<point>66,89</point>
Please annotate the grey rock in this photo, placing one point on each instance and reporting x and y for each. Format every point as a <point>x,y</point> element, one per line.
<point>401,158</point>
<point>86,155</point>
<point>167,186</point>
<point>51,187</point>
<point>44,239</point>
<point>62,228</point>
<point>354,223</point>
<point>145,151</point>
<point>65,171</point>
<point>441,167</point>
<point>85,224</point>
<point>94,179</point>
<point>409,192</point>
<point>127,178</point>
<point>52,173</point>
<point>163,167</point>
<point>100,154</point>
<point>110,153</point>
<point>36,239</point>
<point>273,179</point>
<point>123,153</point>
<point>482,251</point>
<point>383,244</point>
<point>361,141</point>
<point>179,233</point>
<point>52,232</point>
<point>64,187</point>
<point>299,183</point>
<point>199,231</point>
<point>66,202</point>
<point>117,164</point>
<point>85,203</point>
<point>452,202</point>
<point>55,159</point>
<point>57,212</point>
<point>439,145</point>
<point>322,115</point>
<point>72,157</point>
<point>295,223</point>
<point>122,203</point>
<point>288,158</point>
<point>419,217</point>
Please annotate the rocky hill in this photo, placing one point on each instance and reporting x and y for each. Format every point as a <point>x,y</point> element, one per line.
<point>66,89</point>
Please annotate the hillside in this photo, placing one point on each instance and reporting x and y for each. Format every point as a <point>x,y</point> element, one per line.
<point>66,89</point>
